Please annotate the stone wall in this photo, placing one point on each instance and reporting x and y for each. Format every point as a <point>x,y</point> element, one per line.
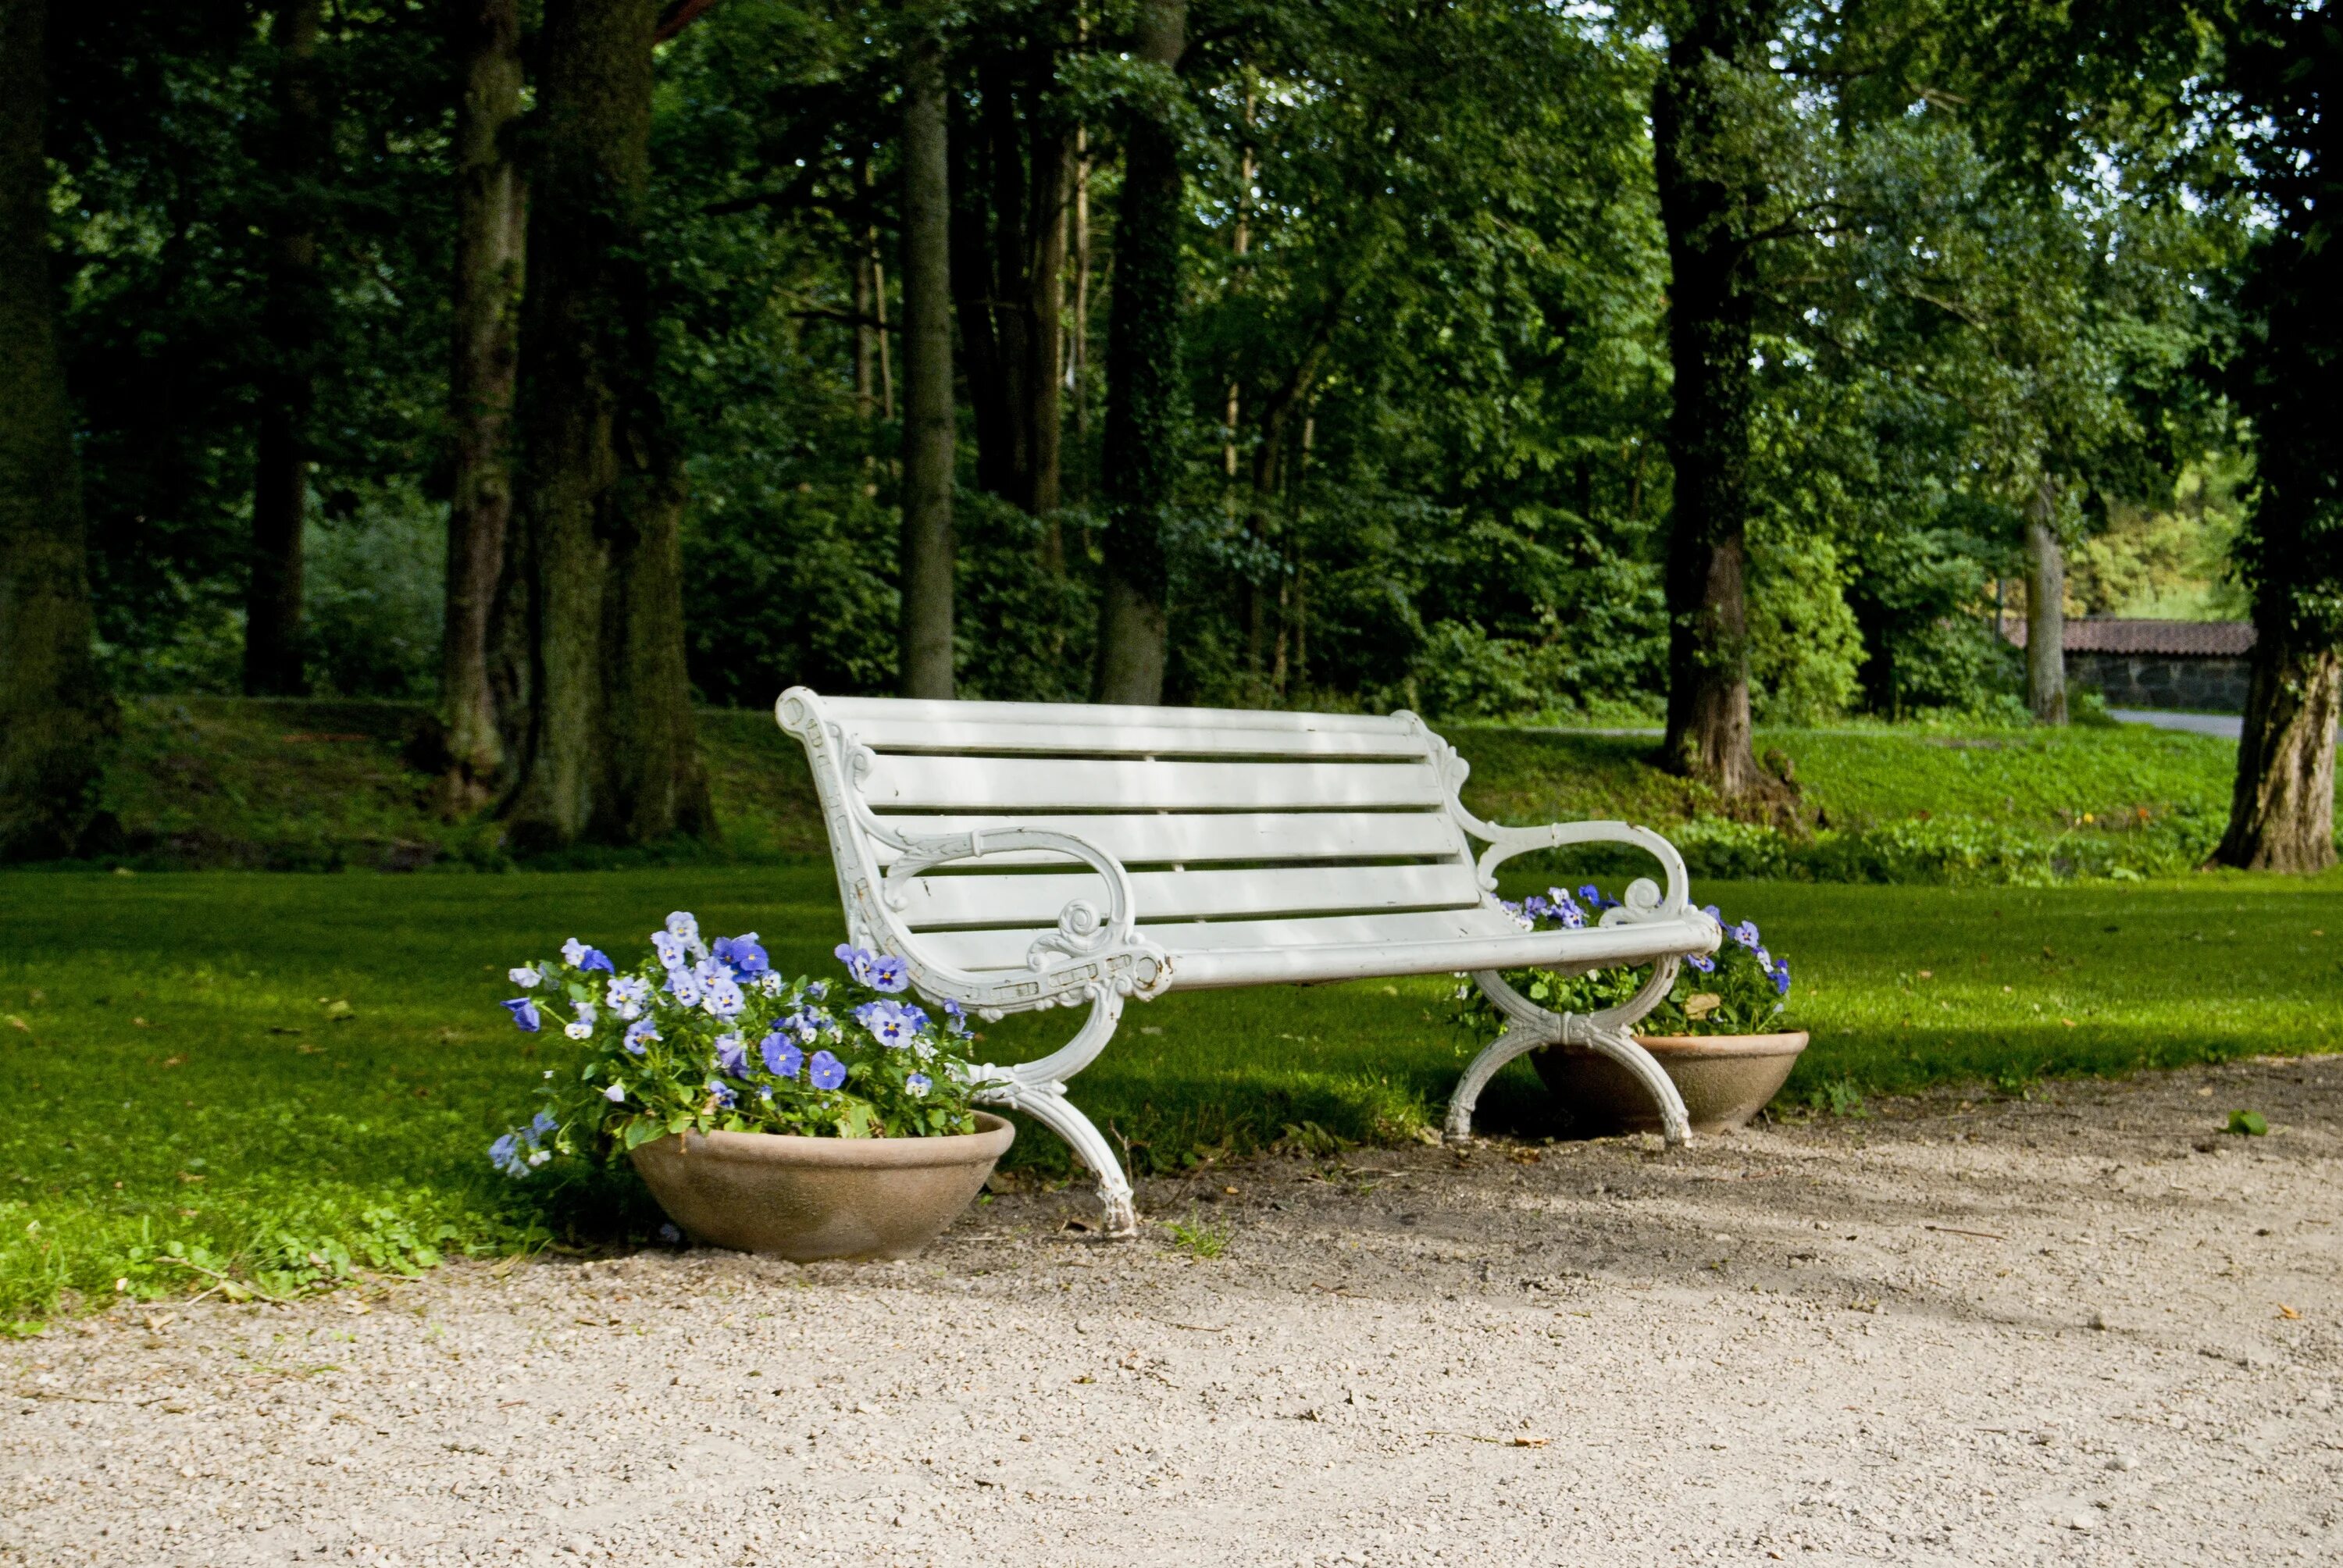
<point>2162,680</point>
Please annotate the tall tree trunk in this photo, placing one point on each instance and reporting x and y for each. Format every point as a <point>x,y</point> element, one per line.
<point>929,428</point>
<point>2282,810</point>
<point>2046,607</point>
<point>491,222</point>
<point>609,751</point>
<point>292,328</point>
<point>1144,385</point>
<point>55,713</point>
<point>1710,197</point>
<point>1009,260</point>
<point>1078,344</point>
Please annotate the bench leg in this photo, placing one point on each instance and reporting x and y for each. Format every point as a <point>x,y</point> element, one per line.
<point>1039,1090</point>
<point>1532,1027</point>
<point>1047,1104</point>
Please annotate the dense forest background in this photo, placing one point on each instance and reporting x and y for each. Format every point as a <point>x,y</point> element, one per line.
<point>1979,289</point>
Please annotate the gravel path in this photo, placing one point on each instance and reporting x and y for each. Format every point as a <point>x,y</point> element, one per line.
<point>2083,1329</point>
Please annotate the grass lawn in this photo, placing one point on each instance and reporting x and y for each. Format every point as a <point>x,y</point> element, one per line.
<point>290,1076</point>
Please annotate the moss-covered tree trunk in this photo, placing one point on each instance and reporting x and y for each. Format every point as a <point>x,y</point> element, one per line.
<point>1143,383</point>
<point>1712,194</point>
<point>929,433</point>
<point>2282,810</point>
<point>604,747</point>
<point>292,328</point>
<point>491,212</point>
<point>55,714</point>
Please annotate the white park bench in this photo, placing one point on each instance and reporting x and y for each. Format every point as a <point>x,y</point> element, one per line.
<point>1018,855</point>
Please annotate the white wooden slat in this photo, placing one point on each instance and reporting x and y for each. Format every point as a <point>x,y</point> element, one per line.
<point>1039,784</point>
<point>1033,901</point>
<point>959,736</point>
<point>853,712</point>
<point>1221,954</point>
<point>1002,950</point>
<point>1204,839</point>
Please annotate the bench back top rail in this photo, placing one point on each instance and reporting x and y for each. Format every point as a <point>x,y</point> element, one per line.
<point>1016,854</point>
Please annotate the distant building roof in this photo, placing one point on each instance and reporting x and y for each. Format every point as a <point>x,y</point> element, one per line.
<point>2166,638</point>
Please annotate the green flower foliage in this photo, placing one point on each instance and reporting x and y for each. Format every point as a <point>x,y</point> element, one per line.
<point>701,1039</point>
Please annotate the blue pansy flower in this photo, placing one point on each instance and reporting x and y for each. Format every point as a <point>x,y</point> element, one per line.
<point>889,973</point>
<point>816,990</point>
<point>731,1054</point>
<point>782,1055</point>
<point>672,954</point>
<point>1535,907</point>
<point>579,956</point>
<point>1702,962</point>
<point>743,953</point>
<point>918,1084</point>
<point>615,1093</point>
<point>857,962</point>
<point>682,924</point>
<point>542,1123</point>
<point>955,1019</point>
<point>825,1071</point>
<point>1714,913</point>
<point>887,1022</point>
<point>524,976</point>
<point>1746,933</point>
<point>916,1015</point>
<point>1594,897</point>
<point>505,1155</point>
<point>722,1093</point>
<point>684,986</point>
<point>525,1015</point>
<point>626,996</point>
<point>639,1034</point>
<point>723,999</point>
<point>1782,978</point>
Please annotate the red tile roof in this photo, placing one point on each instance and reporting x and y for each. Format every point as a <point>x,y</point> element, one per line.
<point>2169,639</point>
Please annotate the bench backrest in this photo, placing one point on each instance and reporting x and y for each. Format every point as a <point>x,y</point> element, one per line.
<point>1219,815</point>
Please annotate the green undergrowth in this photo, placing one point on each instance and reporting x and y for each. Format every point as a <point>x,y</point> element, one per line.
<point>286,785</point>
<point>268,1085</point>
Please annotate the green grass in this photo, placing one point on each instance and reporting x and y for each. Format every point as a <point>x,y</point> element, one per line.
<point>291,1077</point>
<point>284,785</point>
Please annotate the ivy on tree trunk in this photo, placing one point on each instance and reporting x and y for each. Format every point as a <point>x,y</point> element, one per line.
<point>55,713</point>
<point>605,747</point>
<point>1711,199</point>
<point>1144,384</point>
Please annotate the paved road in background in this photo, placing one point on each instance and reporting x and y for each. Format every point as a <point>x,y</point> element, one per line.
<point>2228,726</point>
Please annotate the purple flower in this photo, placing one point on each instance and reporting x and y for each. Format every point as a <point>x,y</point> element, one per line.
<point>781,1054</point>
<point>857,962</point>
<point>579,956</point>
<point>505,1155</point>
<point>615,1093</point>
<point>681,925</point>
<point>1572,917</point>
<point>826,1071</point>
<point>1702,962</point>
<point>722,1093</point>
<point>724,999</point>
<point>669,947</point>
<point>1714,913</point>
<point>917,1084</point>
<point>743,953</point>
<point>638,1033</point>
<point>889,973</point>
<point>1535,907</point>
<point>541,1124</point>
<point>684,986</point>
<point>1746,933</point>
<point>1594,897</point>
<point>1782,978</point>
<point>888,1022</point>
<point>816,990</point>
<point>626,996</point>
<point>525,1015</point>
<point>731,1054</point>
<point>955,1019</point>
<point>915,1016</point>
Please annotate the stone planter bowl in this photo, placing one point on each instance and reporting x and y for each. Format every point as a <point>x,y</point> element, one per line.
<point>1724,1078</point>
<point>809,1198</point>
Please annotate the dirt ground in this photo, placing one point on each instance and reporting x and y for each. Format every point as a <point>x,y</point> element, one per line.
<point>2087,1328</point>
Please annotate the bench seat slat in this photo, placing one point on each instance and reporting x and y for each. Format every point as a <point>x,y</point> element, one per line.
<point>1032,900</point>
<point>1154,838</point>
<point>1211,955</point>
<point>897,782</point>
